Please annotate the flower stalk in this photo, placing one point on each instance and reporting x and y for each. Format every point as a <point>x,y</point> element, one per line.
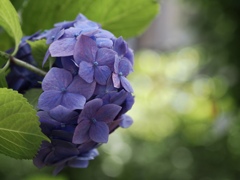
<point>22,63</point>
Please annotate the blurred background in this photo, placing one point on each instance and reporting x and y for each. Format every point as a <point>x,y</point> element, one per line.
<point>187,93</point>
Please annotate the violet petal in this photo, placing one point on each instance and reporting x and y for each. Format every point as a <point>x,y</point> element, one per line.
<point>80,86</point>
<point>126,122</point>
<point>101,74</point>
<point>62,114</point>
<point>65,149</point>
<point>85,49</point>
<point>76,163</point>
<point>86,71</point>
<point>69,64</point>
<point>49,100</point>
<point>104,42</point>
<point>81,132</point>
<point>73,101</point>
<point>99,132</point>
<point>116,80</point>
<point>124,67</point>
<point>126,84</point>
<point>90,109</point>
<point>120,46</point>
<point>62,47</point>
<point>42,153</point>
<point>107,113</point>
<point>45,57</point>
<point>105,57</point>
<point>56,79</point>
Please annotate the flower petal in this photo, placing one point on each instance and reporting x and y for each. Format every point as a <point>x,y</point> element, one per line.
<point>42,153</point>
<point>90,109</point>
<point>73,101</point>
<point>116,80</point>
<point>47,123</point>
<point>120,46</point>
<point>126,84</point>
<point>63,114</point>
<point>69,64</point>
<point>105,57</point>
<point>64,149</point>
<point>128,103</point>
<point>99,132</point>
<point>45,57</point>
<point>86,71</point>
<point>80,86</point>
<point>108,112</point>
<point>101,74</point>
<point>124,66</point>
<point>104,42</point>
<point>62,134</point>
<point>126,122</point>
<point>118,97</point>
<point>62,47</point>
<point>56,79</point>
<point>81,132</point>
<point>101,33</point>
<point>85,49</point>
<point>130,56</point>
<point>71,32</point>
<point>77,163</point>
<point>49,100</point>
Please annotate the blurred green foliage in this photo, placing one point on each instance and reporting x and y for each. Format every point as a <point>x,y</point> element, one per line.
<point>186,112</point>
<point>184,129</point>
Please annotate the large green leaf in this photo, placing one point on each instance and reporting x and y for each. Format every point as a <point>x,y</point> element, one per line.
<point>20,134</point>
<point>122,17</point>
<point>9,20</point>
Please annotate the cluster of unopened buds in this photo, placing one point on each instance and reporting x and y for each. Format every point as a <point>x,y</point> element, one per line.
<point>86,95</point>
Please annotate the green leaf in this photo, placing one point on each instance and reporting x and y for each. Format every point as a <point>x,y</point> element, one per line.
<point>125,18</point>
<point>39,49</point>
<point>17,3</point>
<point>9,20</point>
<point>20,134</point>
<point>32,96</point>
<point>3,82</point>
<point>8,41</point>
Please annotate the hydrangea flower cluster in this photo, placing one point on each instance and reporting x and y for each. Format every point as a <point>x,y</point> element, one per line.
<point>87,96</point>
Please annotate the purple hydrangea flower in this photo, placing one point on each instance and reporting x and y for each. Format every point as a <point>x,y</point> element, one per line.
<point>61,88</point>
<point>57,118</point>
<point>122,68</point>
<point>86,97</point>
<point>92,122</point>
<point>94,63</point>
<point>60,154</point>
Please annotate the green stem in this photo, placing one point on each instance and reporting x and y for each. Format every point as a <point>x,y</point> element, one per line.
<point>22,64</point>
<point>5,67</point>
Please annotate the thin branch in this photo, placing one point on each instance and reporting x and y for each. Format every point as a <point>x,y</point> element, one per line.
<point>23,64</point>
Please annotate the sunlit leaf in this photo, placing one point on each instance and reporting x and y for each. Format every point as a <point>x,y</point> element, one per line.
<point>20,134</point>
<point>10,22</point>
<point>121,17</point>
<point>39,49</point>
